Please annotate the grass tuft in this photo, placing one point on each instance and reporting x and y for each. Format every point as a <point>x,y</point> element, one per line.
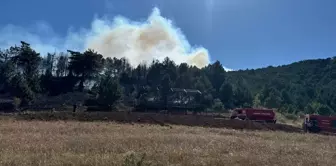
<point>133,159</point>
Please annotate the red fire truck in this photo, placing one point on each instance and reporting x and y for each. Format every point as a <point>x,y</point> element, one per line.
<point>254,114</point>
<point>318,123</point>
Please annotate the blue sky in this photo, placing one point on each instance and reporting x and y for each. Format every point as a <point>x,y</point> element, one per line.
<point>241,34</point>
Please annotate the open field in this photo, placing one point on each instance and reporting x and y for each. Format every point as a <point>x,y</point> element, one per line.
<point>108,143</point>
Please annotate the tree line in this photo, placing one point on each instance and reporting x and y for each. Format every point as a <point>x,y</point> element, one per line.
<point>302,87</point>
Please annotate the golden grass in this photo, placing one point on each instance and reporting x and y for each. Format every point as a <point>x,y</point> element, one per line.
<point>294,122</point>
<point>103,143</point>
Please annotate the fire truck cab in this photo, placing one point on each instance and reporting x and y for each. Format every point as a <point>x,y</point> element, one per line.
<point>318,123</point>
<point>253,114</point>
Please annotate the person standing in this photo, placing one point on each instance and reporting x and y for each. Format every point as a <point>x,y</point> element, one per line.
<point>74,108</point>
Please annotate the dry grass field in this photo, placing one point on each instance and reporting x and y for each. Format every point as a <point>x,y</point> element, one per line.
<point>106,143</point>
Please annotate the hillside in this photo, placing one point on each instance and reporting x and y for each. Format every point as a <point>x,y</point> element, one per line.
<point>301,87</point>
<point>297,86</point>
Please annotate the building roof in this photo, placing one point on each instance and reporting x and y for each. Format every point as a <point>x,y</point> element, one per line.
<point>6,100</point>
<point>185,90</point>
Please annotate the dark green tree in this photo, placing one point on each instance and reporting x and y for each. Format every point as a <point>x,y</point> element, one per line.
<point>62,65</point>
<point>109,92</point>
<point>242,96</point>
<point>85,65</point>
<point>226,94</point>
<point>216,75</point>
<point>165,89</point>
<point>28,61</point>
<point>218,106</point>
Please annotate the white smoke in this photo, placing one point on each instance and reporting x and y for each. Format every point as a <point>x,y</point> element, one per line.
<point>139,42</point>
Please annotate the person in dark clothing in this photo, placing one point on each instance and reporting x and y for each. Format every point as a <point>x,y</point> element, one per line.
<point>74,107</point>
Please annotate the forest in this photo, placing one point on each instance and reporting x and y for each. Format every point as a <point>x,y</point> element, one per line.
<point>306,86</point>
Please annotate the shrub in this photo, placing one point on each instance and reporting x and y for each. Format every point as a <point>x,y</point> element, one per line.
<point>134,160</point>
<point>218,106</point>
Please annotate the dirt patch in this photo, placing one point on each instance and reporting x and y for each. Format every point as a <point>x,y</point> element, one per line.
<point>154,118</point>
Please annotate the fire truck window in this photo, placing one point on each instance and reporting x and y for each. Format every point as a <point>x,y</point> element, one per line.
<point>313,121</point>
<point>333,123</point>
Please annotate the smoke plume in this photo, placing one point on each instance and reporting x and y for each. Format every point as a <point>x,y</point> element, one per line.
<point>142,42</point>
<point>139,42</point>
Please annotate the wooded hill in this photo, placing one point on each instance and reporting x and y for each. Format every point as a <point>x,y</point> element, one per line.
<point>308,86</point>
<point>302,87</point>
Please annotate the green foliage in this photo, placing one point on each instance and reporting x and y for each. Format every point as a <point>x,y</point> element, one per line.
<point>62,65</point>
<point>165,88</point>
<point>216,75</point>
<point>218,106</point>
<point>325,110</point>
<point>302,87</point>
<point>273,100</point>
<point>242,95</point>
<point>256,101</point>
<point>20,88</point>
<point>28,61</point>
<point>16,102</point>
<point>85,65</point>
<point>293,88</point>
<point>318,108</point>
<point>109,92</point>
<point>226,94</point>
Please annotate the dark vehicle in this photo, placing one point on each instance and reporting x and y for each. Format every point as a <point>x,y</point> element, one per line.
<point>254,114</point>
<point>318,123</point>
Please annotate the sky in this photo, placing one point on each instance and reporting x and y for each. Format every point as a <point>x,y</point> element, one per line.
<point>240,34</point>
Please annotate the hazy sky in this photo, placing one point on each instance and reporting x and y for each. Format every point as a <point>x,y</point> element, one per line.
<point>241,34</point>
